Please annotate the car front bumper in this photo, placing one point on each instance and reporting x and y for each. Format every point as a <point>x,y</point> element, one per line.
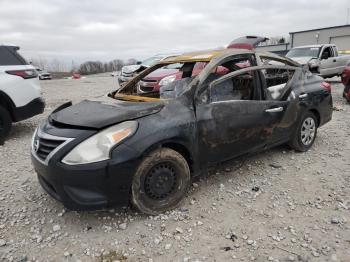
<point>35,107</point>
<point>89,186</point>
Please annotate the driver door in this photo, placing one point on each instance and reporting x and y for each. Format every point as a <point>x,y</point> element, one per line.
<point>328,65</point>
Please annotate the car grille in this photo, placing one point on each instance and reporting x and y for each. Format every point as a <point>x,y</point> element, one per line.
<point>127,74</point>
<point>146,88</point>
<point>45,145</point>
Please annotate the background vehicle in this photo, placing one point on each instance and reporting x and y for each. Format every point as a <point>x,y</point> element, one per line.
<point>20,96</point>
<point>43,74</point>
<point>164,76</point>
<point>247,42</point>
<point>147,147</point>
<point>345,78</point>
<point>130,71</point>
<point>321,59</point>
<point>76,75</point>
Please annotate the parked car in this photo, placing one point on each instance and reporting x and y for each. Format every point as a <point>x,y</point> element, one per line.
<point>146,148</point>
<point>20,96</point>
<point>345,78</point>
<point>43,74</point>
<point>321,59</point>
<point>76,75</point>
<point>247,42</point>
<point>130,71</point>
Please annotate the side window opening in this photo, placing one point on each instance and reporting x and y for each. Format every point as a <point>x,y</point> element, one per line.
<point>271,61</point>
<point>241,87</point>
<point>166,81</point>
<point>227,67</point>
<point>327,53</point>
<point>277,82</point>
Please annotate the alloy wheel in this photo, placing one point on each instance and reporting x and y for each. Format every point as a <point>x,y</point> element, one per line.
<point>308,131</point>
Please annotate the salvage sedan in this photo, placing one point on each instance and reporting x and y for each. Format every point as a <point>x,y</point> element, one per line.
<point>146,148</point>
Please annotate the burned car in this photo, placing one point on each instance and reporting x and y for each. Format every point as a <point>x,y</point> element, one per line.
<point>146,148</point>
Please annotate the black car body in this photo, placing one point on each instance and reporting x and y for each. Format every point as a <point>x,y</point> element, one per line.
<point>201,120</point>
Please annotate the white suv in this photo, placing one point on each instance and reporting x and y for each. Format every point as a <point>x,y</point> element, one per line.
<point>20,93</point>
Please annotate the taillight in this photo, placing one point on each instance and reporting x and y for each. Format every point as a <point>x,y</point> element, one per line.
<point>327,86</point>
<point>26,74</point>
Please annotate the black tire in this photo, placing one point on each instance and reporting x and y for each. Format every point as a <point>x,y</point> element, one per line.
<point>5,123</point>
<point>303,138</point>
<point>160,182</point>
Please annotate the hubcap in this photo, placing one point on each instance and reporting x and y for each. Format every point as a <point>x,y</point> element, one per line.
<point>160,181</point>
<point>308,130</point>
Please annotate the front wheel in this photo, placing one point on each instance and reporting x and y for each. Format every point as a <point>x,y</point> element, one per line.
<point>305,134</point>
<point>160,182</point>
<point>5,123</point>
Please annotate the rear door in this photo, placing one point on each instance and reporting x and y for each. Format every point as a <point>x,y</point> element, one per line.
<point>279,83</point>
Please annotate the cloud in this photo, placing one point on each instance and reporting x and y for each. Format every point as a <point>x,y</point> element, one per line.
<point>104,30</point>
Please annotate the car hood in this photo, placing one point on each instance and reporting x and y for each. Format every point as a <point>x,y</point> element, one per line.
<point>303,60</point>
<point>101,113</point>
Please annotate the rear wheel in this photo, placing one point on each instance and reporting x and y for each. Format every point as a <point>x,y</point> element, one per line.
<point>305,134</point>
<point>5,123</point>
<point>160,182</point>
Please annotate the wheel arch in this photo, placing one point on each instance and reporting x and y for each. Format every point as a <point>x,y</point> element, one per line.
<point>317,115</point>
<point>7,102</point>
<point>177,145</point>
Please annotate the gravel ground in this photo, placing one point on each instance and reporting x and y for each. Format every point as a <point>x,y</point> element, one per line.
<point>278,205</point>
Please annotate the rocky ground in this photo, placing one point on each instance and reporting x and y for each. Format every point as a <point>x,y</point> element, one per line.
<point>278,205</point>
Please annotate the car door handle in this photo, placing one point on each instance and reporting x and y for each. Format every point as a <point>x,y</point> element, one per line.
<point>274,110</point>
<point>303,96</point>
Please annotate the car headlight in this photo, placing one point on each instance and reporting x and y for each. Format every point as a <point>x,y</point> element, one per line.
<point>97,147</point>
<point>167,80</point>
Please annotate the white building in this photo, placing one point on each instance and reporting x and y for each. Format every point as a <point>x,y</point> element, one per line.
<point>338,35</point>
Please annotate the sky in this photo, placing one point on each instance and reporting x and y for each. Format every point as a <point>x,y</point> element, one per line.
<point>105,30</point>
